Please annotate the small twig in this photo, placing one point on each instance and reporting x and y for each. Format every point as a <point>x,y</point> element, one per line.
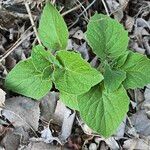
<point>3,55</point>
<point>90,5</point>
<point>84,9</point>
<point>120,8</point>
<point>17,43</point>
<point>32,22</point>
<point>71,10</point>
<point>106,9</point>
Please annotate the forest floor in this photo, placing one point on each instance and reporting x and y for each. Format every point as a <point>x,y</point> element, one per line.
<point>47,124</point>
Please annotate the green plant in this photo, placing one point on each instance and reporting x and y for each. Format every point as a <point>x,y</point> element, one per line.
<point>99,95</point>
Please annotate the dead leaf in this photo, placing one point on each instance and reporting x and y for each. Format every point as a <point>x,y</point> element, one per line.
<point>116,9</point>
<point>137,144</point>
<point>2,97</point>
<point>14,138</point>
<point>47,136</point>
<point>95,62</point>
<point>129,23</point>
<point>58,116</point>
<point>111,142</point>
<point>147,93</point>
<point>134,45</point>
<point>87,130</point>
<point>146,44</point>
<point>83,50</point>
<point>67,125</point>
<point>121,129</point>
<point>22,112</point>
<point>141,123</point>
<point>140,22</point>
<point>123,3</point>
<point>70,45</point>
<point>2,148</point>
<point>48,105</point>
<point>40,146</point>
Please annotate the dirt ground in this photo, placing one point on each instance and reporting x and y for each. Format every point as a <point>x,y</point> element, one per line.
<point>48,124</point>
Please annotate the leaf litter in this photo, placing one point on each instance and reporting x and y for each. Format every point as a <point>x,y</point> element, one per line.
<point>20,127</point>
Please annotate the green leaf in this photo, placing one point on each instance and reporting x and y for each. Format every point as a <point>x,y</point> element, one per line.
<point>113,78</point>
<point>42,58</point>
<point>25,79</point>
<point>69,100</point>
<point>53,31</point>
<point>121,60</point>
<point>103,111</point>
<point>137,68</point>
<point>76,76</point>
<point>106,36</point>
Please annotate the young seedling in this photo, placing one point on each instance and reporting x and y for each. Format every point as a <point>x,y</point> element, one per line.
<point>99,95</point>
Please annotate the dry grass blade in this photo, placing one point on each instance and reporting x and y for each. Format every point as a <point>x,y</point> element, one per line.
<point>17,43</point>
<point>32,22</point>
